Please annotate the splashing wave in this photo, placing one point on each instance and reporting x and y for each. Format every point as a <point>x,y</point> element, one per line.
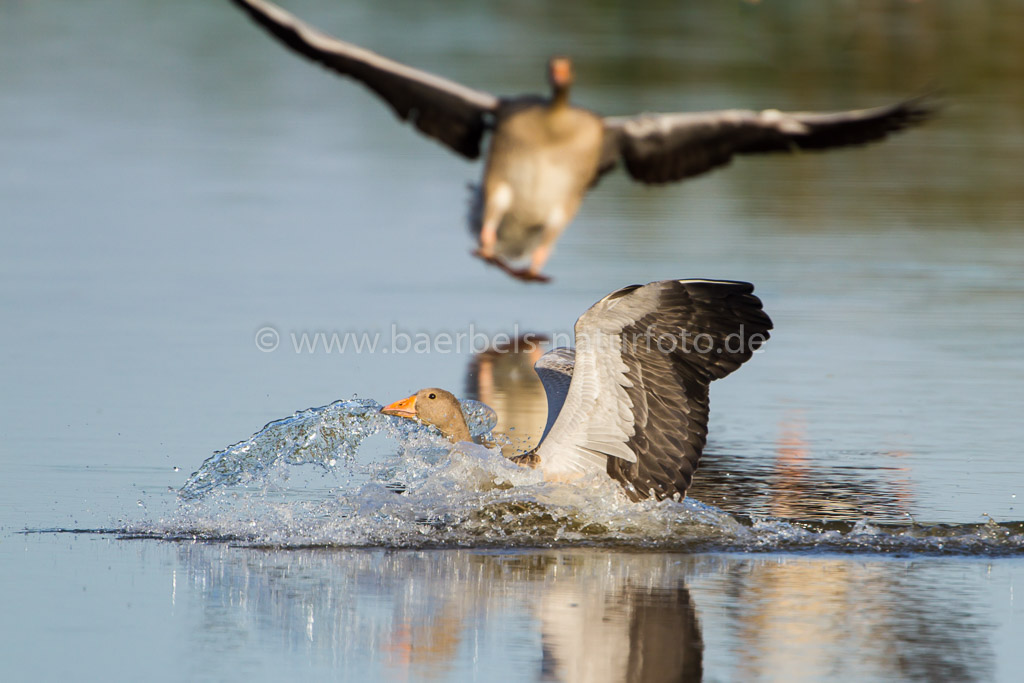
<point>417,490</point>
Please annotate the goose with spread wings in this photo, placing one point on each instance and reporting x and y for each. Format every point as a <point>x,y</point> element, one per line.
<point>631,399</point>
<point>545,154</point>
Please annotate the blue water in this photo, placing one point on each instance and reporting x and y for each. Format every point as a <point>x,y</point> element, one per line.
<point>173,185</point>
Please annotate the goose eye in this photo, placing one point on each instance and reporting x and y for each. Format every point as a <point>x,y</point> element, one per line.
<point>432,396</point>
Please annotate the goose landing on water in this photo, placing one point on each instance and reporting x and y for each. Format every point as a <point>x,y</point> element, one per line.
<point>631,399</point>
<point>546,154</point>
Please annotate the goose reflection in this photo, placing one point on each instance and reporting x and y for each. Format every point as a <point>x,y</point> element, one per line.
<point>624,632</point>
<point>600,616</point>
<point>502,376</point>
<point>588,615</point>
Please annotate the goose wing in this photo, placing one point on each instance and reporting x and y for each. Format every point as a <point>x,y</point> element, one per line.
<point>636,405</point>
<point>662,148</point>
<point>444,110</point>
<point>555,371</point>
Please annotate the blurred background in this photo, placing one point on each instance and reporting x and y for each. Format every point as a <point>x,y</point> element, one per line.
<point>183,202</point>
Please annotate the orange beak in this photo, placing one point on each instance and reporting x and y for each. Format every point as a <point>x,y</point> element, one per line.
<point>404,408</point>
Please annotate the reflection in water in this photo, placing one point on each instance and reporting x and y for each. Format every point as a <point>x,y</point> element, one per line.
<point>502,376</point>
<point>579,615</point>
<point>597,628</point>
<point>811,620</point>
<point>790,482</point>
<point>413,614</point>
<point>787,482</point>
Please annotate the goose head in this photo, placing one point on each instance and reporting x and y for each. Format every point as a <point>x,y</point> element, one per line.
<point>560,76</point>
<point>435,407</point>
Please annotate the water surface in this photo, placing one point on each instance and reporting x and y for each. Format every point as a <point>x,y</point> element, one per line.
<point>172,183</point>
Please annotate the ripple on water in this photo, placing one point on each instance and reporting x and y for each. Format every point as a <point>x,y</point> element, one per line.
<point>419,491</point>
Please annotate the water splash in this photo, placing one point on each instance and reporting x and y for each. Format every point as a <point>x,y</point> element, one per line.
<point>319,436</point>
<point>420,491</point>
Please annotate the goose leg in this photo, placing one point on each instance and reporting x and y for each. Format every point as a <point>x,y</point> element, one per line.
<point>556,223</point>
<point>523,274</point>
<point>488,238</point>
<point>497,202</point>
<point>527,275</point>
<point>532,273</point>
<point>540,257</point>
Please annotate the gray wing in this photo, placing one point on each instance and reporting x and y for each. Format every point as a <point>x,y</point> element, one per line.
<point>637,404</point>
<point>452,113</point>
<point>662,148</point>
<point>555,371</point>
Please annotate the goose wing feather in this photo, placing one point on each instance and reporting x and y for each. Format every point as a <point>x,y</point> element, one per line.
<point>636,405</point>
<point>663,148</point>
<point>442,109</point>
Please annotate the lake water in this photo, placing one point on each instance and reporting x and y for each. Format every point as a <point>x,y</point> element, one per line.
<point>176,189</point>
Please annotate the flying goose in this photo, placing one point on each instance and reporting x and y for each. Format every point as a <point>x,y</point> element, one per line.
<point>545,154</point>
<point>631,399</point>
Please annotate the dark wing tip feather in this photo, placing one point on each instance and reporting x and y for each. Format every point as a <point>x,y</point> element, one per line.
<point>716,327</point>
<point>849,128</point>
<point>726,322</point>
<point>663,148</point>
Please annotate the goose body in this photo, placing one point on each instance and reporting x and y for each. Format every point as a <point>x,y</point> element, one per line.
<point>544,153</point>
<point>539,167</point>
<point>631,400</point>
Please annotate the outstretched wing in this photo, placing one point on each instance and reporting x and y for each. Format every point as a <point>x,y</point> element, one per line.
<point>452,113</point>
<point>637,402</point>
<point>662,148</point>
